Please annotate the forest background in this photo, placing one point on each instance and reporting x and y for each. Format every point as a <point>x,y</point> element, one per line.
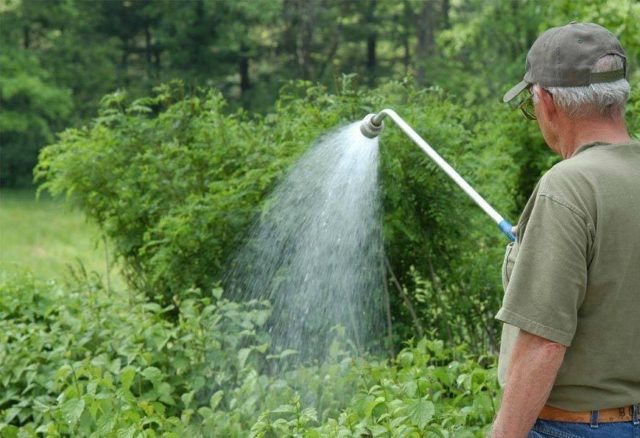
<point>167,123</point>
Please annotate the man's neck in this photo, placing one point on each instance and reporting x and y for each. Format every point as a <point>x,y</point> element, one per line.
<point>591,130</point>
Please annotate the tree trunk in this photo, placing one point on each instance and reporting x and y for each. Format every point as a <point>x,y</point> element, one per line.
<point>331,53</point>
<point>156,59</point>
<point>307,15</point>
<point>245,83</point>
<point>425,34</point>
<point>408,19</point>
<point>446,7</point>
<point>371,59</point>
<point>26,36</point>
<point>148,51</point>
<point>124,64</point>
<point>372,62</point>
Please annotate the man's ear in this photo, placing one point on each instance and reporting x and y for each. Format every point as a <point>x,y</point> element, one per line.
<point>547,104</point>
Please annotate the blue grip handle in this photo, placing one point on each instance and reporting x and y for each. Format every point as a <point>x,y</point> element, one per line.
<point>505,226</point>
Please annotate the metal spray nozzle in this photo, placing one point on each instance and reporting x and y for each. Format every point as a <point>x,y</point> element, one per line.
<point>371,126</point>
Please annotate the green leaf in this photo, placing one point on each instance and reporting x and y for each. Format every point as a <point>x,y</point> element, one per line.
<point>126,377</point>
<point>243,354</point>
<point>205,412</point>
<point>312,434</point>
<point>187,397</point>
<point>464,381</point>
<point>72,410</point>
<point>63,372</point>
<point>152,374</point>
<point>284,409</point>
<point>164,392</point>
<point>198,383</point>
<point>410,388</point>
<point>420,412</point>
<point>9,431</point>
<point>215,399</point>
<point>378,430</point>
<point>372,405</point>
<point>217,292</point>
<point>126,433</point>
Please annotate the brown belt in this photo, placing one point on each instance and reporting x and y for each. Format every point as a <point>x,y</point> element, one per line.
<point>612,415</point>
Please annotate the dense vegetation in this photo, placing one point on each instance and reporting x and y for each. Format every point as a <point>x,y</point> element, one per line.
<point>173,172</point>
<point>78,361</point>
<point>59,57</point>
<point>175,182</point>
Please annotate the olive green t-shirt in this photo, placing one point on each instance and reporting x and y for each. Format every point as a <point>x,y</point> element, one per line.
<point>573,276</point>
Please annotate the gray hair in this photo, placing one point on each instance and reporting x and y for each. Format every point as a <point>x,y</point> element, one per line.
<point>606,99</point>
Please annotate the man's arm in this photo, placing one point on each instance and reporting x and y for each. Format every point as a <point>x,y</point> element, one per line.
<point>534,364</point>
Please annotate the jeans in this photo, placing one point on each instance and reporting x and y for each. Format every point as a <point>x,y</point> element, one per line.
<point>559,429</point>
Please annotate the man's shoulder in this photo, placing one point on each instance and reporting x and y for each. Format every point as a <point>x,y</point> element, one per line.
<point>565,175</point>
<point>590,166</point>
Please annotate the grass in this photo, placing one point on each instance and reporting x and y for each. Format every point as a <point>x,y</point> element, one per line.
<point>46,237</point>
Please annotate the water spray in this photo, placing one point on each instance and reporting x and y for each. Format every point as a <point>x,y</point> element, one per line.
<point>372,126</point>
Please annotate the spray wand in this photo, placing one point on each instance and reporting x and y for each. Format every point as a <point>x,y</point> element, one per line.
<point>372,126</point>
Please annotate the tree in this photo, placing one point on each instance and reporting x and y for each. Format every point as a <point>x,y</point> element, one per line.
<point>32,109</point>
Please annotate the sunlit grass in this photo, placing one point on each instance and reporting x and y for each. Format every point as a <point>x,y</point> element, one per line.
<point>47,237</point>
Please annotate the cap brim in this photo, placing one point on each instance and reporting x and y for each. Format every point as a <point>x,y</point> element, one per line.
<point>519,88</point>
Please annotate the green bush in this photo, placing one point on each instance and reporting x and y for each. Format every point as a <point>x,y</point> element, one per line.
<point>76,361</point>
<point>424,392</point>
<point>172,180</point>
<point>175,181</point>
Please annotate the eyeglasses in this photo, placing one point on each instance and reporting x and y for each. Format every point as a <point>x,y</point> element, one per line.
<point>526,106</point>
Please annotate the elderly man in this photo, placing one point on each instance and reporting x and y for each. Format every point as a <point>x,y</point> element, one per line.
<point>570,353</point>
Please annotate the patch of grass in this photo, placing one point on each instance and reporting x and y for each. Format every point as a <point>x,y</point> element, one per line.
<point>47,237</point>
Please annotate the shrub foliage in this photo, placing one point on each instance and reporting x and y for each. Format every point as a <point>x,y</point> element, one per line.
<point>174,180</point>
<point>76,361</point>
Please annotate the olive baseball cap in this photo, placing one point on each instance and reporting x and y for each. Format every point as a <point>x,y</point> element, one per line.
<point>564,56</point>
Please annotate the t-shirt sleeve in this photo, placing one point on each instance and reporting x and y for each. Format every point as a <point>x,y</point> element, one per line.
<point>549,277</point>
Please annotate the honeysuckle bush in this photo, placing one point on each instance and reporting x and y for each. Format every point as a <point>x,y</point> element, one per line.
<point>78,361</point>
<point>175,179</point>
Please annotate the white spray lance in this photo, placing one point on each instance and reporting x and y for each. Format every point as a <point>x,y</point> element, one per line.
<point>372,126</point>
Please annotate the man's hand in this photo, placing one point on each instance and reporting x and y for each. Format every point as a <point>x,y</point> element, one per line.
<point>534,364</point>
